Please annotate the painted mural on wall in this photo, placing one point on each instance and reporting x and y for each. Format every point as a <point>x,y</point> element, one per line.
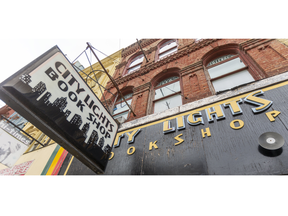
<point>19,169</point>
<point>11,149</point>
<point>15,132</point>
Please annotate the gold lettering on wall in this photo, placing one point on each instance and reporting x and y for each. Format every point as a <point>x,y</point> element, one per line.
<point>214,111</point>
<point>131,136</point>
<point>151,145</point>
<point>262,103</point>
<point>118,140</point>
<point>234,106</point>
<point>272,115</point>
<point>180,123</point>
<point>129,152</point>
<point>207,132</point>
<point>111,155</point>
<point>178,139</point>
<point>241,124</point>
<point>167,127</point>
<point>195,121</point>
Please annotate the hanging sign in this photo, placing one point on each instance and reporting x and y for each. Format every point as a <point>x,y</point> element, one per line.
<point>50,94</point>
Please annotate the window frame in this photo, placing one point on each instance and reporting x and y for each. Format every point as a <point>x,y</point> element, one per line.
<point>120,100</point>
<point>230,49</point>
<point>229,73</point>
<point>131,60</point>
<point>163,44</point>
<point>167,96</point>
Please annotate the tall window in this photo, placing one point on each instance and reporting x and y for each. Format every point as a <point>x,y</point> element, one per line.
<point>167,48</point>
<point>135,64</point>
<point>167,94</point>
<point>121,109</point>
<point>228,71</point>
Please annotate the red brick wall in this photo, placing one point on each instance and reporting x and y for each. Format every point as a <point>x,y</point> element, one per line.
<point>139,105</point>
<point>195,86</point>
<point>265,58</point>
<point>271,57</point>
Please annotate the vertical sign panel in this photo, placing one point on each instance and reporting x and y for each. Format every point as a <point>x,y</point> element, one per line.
<point>53,96</point>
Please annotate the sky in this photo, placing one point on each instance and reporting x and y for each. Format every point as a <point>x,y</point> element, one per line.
<point>22,51</point>
<point>31,28</point>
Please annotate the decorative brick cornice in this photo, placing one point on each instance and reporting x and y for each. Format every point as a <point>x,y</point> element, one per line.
<point>121,65</point>
<point>191,68</point>
<point>109,84</point>
<point>250,44</point>
<point>152,49</point>
<point>141,88</point>
<point>134,47</point>
<point>147,68</point>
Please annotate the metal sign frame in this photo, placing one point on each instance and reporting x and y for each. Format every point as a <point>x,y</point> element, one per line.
<point>14,92</point>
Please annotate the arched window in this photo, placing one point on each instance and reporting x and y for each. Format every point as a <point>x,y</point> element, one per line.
<point>167,48</point>
<point>135,64</point>
<point>167,94</point>
<point>197,40</point>
<point>228,71</point>
<point>121,109</point>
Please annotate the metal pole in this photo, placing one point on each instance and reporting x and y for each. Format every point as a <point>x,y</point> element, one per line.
<point>114,104</point>
<point>112,80</point>
<point>142,50</point>
<point>22,130</point>
<point>92,78</point>
<point>97,80</point>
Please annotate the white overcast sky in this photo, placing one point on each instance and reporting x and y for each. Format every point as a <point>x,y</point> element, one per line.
<point>29,28</point>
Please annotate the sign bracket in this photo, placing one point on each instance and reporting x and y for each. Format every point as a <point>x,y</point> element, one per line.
<point>112,80</point>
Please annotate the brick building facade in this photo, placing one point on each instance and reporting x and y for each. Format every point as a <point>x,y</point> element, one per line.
<point>262,58</point>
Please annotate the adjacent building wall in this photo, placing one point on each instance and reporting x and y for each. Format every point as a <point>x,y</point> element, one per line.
<point>97,73</point>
